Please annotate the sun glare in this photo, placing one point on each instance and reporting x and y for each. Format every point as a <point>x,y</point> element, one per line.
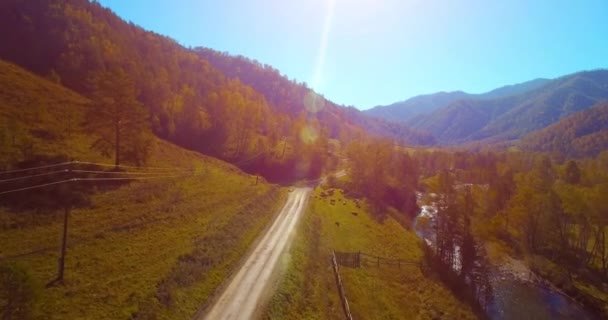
<point>317,80</point>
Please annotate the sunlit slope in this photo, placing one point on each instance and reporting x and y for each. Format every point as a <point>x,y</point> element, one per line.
<point>308,290</point>
<point>148,249</point>
<point>39,117</point>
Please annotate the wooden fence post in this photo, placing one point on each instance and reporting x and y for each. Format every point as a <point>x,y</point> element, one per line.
<point>343,299</point>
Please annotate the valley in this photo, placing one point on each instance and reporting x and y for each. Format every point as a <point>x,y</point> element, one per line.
<point>151,173</point>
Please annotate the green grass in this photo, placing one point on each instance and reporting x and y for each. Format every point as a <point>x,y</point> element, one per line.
<point>39,117</point>
<point>308,289</point>
<point>131,240</point>
<point>154,248</point>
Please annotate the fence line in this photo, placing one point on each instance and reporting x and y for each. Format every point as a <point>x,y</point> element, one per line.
<point>359,259</point>
<point>343,299</point>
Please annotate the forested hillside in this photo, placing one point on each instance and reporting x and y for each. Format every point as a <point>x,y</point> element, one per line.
<point>512,117</point>
<point>75,41</point>
<point>288,96</point>
<point>583,134</point>
<point>186,100</point>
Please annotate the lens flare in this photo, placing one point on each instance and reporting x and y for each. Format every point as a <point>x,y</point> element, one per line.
<point>308,135</point>
<point>317,79</point>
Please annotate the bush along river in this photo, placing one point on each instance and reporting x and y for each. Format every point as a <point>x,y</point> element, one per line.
<point>517,293</point>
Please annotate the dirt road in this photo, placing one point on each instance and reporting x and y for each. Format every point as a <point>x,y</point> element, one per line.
<point>242,296</point>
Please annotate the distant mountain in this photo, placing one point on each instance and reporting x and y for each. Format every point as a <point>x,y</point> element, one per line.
<point>405,110</point>
<point>511,117</point>
<point>582,134</point>
<point>514,89</point>
<point>424,104</point>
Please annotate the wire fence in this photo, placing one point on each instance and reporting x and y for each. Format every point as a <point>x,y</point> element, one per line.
<point>76,175</point>
<point>74,165</point>
<point>361,259</point>
<point>24,179</point>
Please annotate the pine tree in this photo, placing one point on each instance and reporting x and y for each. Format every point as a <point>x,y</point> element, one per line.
<point>117,118</point>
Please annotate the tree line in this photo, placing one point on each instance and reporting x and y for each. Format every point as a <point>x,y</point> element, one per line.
<point>551,211</point>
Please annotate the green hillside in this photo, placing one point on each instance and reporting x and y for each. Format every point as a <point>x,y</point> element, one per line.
<point>154,248</point>
<point>38,116</point>
<point>583,134</point>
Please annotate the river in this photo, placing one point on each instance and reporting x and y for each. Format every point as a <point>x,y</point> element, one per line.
<point>516,296</point>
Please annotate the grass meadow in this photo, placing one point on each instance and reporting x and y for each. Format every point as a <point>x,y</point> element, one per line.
<point>308,289</point>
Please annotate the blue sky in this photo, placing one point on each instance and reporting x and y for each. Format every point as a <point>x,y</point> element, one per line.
<point>371,52</point>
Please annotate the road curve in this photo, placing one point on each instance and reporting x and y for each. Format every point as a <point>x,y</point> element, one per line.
<point>242,296</point>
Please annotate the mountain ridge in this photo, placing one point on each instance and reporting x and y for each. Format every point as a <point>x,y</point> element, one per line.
<point>511,117</point>
<point>426,103</point>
